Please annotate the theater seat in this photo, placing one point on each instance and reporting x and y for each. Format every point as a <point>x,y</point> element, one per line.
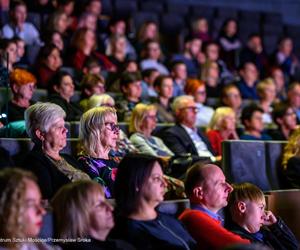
<point>174,207</point>
<point>274,152</point>
<point>286,204</point>
<point>245,161</point>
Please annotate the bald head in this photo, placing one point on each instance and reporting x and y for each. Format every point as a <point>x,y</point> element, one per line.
<point>206,185</point>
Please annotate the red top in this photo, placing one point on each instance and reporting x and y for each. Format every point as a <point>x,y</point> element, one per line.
<point>215,139</point>
<point>208,232</point>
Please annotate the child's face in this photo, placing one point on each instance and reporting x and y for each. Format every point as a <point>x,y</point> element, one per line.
<point>254,215</point>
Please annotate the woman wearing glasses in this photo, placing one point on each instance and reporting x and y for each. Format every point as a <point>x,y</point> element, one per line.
<point>142,123</point>
<point>21,210</point>
<point>98,135</point>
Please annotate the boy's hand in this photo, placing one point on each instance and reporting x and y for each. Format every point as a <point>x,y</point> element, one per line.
<point>269,218</point>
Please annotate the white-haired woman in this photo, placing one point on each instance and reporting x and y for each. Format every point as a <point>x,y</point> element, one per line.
<point>45,126</point>
<point>222,127</point>
<point>99,133</point>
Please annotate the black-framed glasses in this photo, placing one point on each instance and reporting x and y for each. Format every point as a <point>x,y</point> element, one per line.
<point>112,126</point>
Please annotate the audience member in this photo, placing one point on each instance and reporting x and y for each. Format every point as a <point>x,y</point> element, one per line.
<point>230,43</point>
<point>251,221</point>
<point>18,26</point>
<point>254,52</point>
<point>179,75</point>
<point>142,124</point>
<point>231,97</point>
<point>252,119</point>
<point>207,190</point>
<point>291,161</point>
<point>45,126</point>
<point>191,56</point>
<point>249,78</point>
<point>139,188</point>
<point>83,45</point>
<point>184,137</point>
<point>58,21</point>
<point>48,64</point>
<point>148,78</point>
<point>22,84</point>
<point>222,127</point>
<point>212,54</point>
<point>210,75</point>
<point>285,118</point>
<point>286,58</point>
<point>200,29</point>
<point>277,75</point>
<point>21,60</point>
<point>117,27</point>
<point>266,91</point>
<point>130,84</point>
<point>151,57</point>
<point>197,89</point>
<point>61,90</point>
<point>124,145</point>
<point>9,53</point>
<point>148,30</point>
<point>164,87</point>
<point>293,98</point>
<point>85,202</point>
<point>116,51</point>
<point>98,135</point>
<point>21,210</point>
<point>91,84</point>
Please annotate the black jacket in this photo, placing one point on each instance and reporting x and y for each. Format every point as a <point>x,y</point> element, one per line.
<point>277,236</point>
<point>179,141</point>
<point>50,179</point>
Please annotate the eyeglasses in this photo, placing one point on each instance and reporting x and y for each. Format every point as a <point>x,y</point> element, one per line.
<point>194,109</point>
<point>152,117</point>
<point>201,92</point>
<point>112,126</point>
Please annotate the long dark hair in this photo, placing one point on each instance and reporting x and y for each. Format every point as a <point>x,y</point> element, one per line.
<point>132,173</point>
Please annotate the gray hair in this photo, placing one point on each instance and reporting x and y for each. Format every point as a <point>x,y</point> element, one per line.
<point>91,124</point>
<point>179,102</point>
<point>100,100</point>
<point>42,116</point>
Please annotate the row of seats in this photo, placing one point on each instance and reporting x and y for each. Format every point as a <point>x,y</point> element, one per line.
<point>258,162</point>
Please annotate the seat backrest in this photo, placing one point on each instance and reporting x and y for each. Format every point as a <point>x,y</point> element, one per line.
<point>17,148</point>
<point>274,153</point>
<point>286,205</point>
<point>174,207</point>
<point>245,161</point>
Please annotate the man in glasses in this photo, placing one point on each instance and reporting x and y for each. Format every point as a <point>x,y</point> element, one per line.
<point>184,137</point>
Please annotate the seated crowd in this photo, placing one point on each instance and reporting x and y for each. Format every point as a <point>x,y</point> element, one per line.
<point>94,73</point>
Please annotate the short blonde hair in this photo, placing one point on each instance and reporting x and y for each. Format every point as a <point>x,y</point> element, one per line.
<point>91,124</point>
<point>138,114</point>
<point>260,88</point>
<point>73,202</point>
<point>245,192</point>
<point>218,116</point>
<point>100,100</point>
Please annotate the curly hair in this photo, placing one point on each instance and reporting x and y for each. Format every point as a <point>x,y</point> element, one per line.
<point>12,200</point>
<point>292,148</point>
<point>21,77</point>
